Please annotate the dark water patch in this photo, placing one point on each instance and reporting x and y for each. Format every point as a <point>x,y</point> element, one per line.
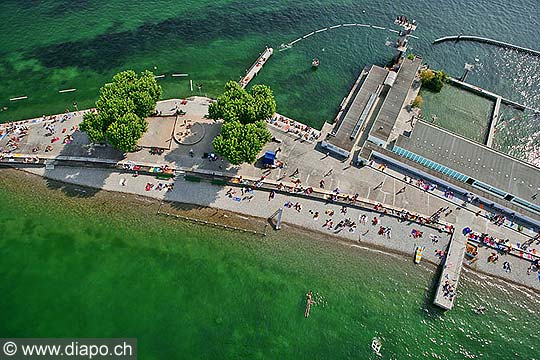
<point>112,49</point>
<point>64,9</point>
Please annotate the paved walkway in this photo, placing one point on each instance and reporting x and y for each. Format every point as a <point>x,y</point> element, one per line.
<point>258,204</point>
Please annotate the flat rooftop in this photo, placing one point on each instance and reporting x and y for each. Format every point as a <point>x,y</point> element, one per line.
<point>394,101</point>
<point>474,160</point>
<point>373,80</point>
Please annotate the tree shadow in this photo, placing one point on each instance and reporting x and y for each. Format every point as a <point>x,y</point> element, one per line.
<point>200,178</point>
<point>67,171</point>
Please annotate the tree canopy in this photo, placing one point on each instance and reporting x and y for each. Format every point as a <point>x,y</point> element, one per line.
<point>237,104</point>
<point>122,108</point>
<point>244,131</point>
<point>433,80</point>
<point>240,143</point>
<point>417,102</point>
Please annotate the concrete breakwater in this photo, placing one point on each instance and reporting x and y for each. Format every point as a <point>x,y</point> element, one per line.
<point>487,41</point>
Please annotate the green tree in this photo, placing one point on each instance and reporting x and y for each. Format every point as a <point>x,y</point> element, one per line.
<point>125,132</point>
<point>426,76</point>
<point>433,80</point>
<point>417,102</point>
<point>240,143</point>
<point>237,104</point>
<point>122,108</point>
<point>244,131</point>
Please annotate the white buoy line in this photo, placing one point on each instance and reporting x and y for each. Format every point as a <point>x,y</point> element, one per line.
<point>106,84</point>
<point>290,44</point>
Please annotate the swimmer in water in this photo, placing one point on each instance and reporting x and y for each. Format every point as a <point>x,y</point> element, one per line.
<point>480,310</point>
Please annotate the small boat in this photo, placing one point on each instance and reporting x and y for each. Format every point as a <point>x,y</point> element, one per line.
<point>376,346</point>
<point>418,254</point>
<point>315,63</point>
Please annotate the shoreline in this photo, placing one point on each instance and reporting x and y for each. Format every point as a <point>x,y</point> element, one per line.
<point>232,219</point>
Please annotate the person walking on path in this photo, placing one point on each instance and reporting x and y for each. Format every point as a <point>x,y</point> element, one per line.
<point>329,172</point>
<point>296,172</point>
<point>402,190</point>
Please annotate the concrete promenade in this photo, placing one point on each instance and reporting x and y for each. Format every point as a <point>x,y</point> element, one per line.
<point>324,174</point>
<point>493,122</point>
<point>453,263</point>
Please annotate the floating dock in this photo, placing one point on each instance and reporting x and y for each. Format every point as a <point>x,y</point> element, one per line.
<point>67,90</point>
<point>453,265</point>
<point>488,41</point>
<point>256,67</point>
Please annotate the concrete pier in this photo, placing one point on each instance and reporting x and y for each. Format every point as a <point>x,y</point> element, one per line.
<point>493,122</point>
<point>256,67</point>
<point>488,41</point>
<point>490,94</point>
<point>451,271</point>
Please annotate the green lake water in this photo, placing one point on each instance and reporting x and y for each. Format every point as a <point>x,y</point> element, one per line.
<point>52,45</point>
<point>104,266</point>
<point>92,267</point>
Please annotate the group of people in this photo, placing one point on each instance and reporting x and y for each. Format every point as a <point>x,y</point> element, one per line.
<point>449,290</point>
<point>385,231</point>
<point>346,223</point>
<point>159,187</point>
<point>304,132</point>
<point>504,246</point>
<point>16,133</point>
<point>421,183</point>
<point>297,206</point>
<point>497,219</point>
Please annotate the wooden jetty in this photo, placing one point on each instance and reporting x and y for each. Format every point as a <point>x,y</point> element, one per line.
<point>488,41</point>
<point>256,67</point>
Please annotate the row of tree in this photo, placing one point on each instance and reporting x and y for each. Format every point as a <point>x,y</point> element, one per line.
<point>124,105</point>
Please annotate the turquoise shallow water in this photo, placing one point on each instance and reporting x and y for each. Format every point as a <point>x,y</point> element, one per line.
<point>56,44</point>
<point>107,266</point>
